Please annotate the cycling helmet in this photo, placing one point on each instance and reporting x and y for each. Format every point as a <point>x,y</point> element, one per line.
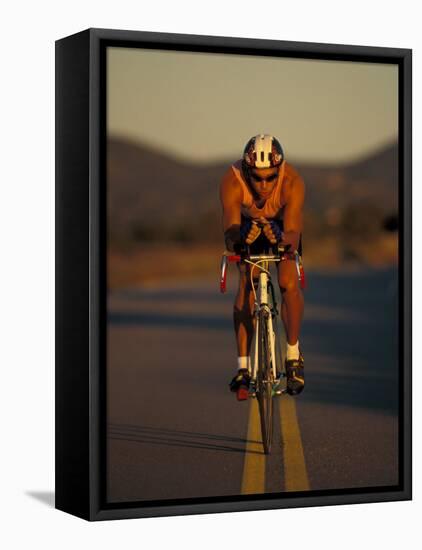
<point>263,151</point>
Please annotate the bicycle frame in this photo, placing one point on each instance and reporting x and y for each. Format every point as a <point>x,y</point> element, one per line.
<point>261,304</point>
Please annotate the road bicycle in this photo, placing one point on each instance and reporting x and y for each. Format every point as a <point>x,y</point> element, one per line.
<point>268,372</point>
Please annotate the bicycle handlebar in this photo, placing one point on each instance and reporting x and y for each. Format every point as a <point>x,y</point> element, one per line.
<point>283,253</point>
<point>277,252</point>
<point>230,257</point>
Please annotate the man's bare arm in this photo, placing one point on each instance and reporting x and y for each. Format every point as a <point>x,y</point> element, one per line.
<point>231,199</point>
<point>293,213</point>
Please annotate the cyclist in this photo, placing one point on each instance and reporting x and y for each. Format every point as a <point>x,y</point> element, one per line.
<point>262,198</point>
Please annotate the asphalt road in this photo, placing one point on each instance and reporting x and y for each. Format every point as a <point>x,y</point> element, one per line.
<point>175,431</point>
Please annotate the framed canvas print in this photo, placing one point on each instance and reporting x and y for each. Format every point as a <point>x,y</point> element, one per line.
<point>233,274</point>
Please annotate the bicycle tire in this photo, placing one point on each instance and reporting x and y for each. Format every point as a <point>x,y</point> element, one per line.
<point>279,362</point>
<point>265,384</point>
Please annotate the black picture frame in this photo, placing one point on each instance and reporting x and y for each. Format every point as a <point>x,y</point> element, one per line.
<point>81,271</point>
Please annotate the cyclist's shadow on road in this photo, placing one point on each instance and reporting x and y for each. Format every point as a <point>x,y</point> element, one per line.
<point>178,438</point>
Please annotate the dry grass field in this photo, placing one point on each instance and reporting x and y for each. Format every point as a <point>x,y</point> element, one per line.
<point>147,264</point>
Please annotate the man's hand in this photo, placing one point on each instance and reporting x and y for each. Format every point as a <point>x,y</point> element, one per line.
<point>250,232</point>
<point>291,238</point>
<point>271,230</point>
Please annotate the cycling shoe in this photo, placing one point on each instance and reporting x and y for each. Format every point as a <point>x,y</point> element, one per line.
<point>240,384</point>
<point>295,375</point>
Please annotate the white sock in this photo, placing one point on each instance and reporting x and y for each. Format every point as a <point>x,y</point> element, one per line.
<point>293,351</point>
<point>244,362</point>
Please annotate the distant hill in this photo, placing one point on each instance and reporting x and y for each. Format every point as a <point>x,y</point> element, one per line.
<point>374,178</point>
<point>145,187</point>
<point>154,197</point>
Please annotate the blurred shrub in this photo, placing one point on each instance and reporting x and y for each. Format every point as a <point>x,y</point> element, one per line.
<point>362,219</point>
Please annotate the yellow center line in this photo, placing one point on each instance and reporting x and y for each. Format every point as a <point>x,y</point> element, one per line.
<point>295,474</point>
<point>253,480</point>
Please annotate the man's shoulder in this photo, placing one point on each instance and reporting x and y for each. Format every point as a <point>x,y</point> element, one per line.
<point>294,180</point>
<point>292,173</point>
<point>229,184</point>
<point>229,177</point>
<point>230,170</point>
<point>295,186</point>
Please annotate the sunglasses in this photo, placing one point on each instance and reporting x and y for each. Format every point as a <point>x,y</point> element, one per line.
<point>259,179</point>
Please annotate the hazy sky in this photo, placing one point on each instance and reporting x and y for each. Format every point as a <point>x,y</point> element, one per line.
<point>203,107</point>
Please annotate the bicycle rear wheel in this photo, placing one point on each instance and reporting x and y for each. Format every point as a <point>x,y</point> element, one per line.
<point>265,384</point>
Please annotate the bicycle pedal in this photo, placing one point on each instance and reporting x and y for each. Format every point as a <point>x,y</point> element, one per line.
<point>242,394</point>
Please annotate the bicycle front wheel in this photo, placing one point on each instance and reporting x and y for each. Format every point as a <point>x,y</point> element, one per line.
<point>265,383</point>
